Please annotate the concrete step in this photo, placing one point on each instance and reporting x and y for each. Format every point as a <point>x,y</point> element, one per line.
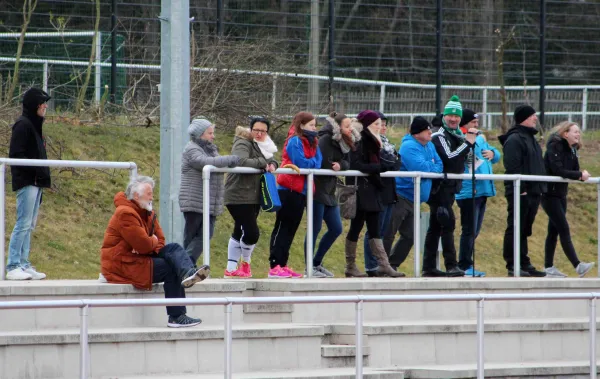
<point>541,370</point>
<point>342,355</point>
<point>331,373</point>
<point>51,354</point>
<point>268,312</point>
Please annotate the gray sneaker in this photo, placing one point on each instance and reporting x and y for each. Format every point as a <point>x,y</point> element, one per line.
<point>552,272</point>
<point>325,271</point>
<point>316,273</point>
<point>584,268</point>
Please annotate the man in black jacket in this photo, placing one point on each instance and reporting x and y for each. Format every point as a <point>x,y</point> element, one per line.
<point>27,142</point>
<point>453,147</point>
<point>522,155</point>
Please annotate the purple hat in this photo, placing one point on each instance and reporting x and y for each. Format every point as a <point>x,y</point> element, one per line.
<point>367,117</point>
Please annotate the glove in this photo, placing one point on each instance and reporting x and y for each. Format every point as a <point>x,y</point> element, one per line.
<point>293,167</point>
<point>232,160</point>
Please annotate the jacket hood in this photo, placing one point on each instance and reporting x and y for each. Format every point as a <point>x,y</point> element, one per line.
<point>554,139</point>
<point>328,128</point>
<point>243,132</point>
<point>33,98</point>
<point>121,200</point>
<point>516,129</point>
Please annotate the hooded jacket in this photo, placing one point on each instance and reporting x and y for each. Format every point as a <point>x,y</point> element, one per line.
<point>523,155</point>
<point>561,160</point>
<point>245,188</point>
<point>298,151</point>
<point>128,246</point>
<point>416,157</point>
<point>483,188</point>
<point>27,142</point>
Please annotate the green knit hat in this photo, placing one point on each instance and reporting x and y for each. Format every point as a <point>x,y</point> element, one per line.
<point>453,107</point>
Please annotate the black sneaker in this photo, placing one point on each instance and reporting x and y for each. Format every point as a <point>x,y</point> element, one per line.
<point>455,272</point>
<point>196,275</point>
<point>183,321</point>
<point>524,274</point>
<point>435,273</point>
<point>534,272</point>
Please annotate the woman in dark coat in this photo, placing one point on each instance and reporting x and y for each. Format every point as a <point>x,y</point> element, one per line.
<point>367,159</point>
<point>561,160</point>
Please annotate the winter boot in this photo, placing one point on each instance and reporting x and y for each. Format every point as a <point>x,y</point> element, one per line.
<point>351,269</point>
<point>377,249</point>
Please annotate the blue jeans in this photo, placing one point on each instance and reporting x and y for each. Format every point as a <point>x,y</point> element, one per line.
<point>467,237</point>
<point>28,205</point>
<point>384,220</point>
<point>333,220</point>
<point>171,266</point>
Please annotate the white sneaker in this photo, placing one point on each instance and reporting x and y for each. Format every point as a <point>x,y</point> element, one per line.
<point>552,272</point>
<point>584,268</point>
<point>34,274</point>
<point>18,274</point>
<point>102,279</point>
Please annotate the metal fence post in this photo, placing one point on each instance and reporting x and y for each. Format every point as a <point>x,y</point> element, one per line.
<point>228,341</point>
<point>484,108</point>
<point>593,370</point>
<point>84,356</point>
<point>45,77</point>
<point>3,221</point>
<point>98,76</point>
<point>517,229</point>
<point>584,106</point>
<point>382,98</point>
<point>359,339</point>
<point>309,224</point>
<point>274,95</point>
<point>417,226</point>
<point>206,214</point>
<point>480,339</point>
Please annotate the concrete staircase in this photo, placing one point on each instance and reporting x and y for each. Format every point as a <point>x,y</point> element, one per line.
<point>541,339</point>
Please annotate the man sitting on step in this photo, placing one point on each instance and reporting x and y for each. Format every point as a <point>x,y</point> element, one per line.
<point>134,251</point>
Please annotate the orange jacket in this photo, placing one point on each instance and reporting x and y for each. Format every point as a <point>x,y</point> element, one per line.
<point>128,246</point>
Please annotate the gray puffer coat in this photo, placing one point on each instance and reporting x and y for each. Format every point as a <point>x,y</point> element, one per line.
<point>196,155</point>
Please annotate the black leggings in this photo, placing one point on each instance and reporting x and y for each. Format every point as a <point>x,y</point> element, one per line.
<point>556,208</point>
<point>286,224</point>
<point>245,229</point>
<point>356,225</point>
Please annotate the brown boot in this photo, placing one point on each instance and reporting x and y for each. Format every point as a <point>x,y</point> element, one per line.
<point>376,245</point>
<point>351,270</point>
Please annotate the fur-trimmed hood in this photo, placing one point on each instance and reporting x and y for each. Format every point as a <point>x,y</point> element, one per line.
<point>243,132</point>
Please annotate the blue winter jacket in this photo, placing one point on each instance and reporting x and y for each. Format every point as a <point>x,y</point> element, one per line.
<point>295,151</point>
<point>482,187</point>
<point>416,157</point>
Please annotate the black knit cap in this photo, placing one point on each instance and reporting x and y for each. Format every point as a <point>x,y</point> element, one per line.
<point>33,98</point>
<point>522,113</point>
<point>419,124</point>
<point>264,120</point>
<point>437,121</point>
<point>468,116</point>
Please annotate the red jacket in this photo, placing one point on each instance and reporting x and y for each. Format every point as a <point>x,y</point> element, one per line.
<point>293,181</point>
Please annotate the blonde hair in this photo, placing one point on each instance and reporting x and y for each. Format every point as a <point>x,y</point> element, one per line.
<point>563,127</point>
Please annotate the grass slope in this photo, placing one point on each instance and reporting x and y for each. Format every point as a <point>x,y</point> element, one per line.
<point>75,213</point>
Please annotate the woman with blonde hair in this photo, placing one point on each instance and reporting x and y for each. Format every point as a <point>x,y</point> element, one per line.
<point>561,159</point>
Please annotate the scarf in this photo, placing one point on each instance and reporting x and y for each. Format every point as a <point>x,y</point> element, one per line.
<point>310,135</point>
<point>387,145</point>
<point>267,147</point>
<point>456,131</point>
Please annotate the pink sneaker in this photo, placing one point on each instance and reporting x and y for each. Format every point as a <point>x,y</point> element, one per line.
<point>246,269</point>
<point>292,273</point>
<point>236,274</point>
<point>278,273</point>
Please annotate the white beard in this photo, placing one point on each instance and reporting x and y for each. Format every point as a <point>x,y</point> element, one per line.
<point>147,206</point>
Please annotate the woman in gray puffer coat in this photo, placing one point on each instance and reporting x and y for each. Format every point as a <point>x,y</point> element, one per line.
<point>199,152</point>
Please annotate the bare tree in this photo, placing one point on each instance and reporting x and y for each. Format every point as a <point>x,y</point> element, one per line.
<point>503,42</point>
<point>83,89</point>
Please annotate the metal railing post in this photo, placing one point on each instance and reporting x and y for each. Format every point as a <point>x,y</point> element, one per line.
<point>593,369</point>
<point>417,226</point>
<point>228,341</point>
<point>517,229</point>
<point>309,224</point>
<point>382,98</point>
<point>484,104</point>
<point>480,339</point>
<point>359,339</point>
<point>84,354</point>
<point>2,221</point>
<point>133,171</point>
<point>206,213</point>
<point>584,106</point>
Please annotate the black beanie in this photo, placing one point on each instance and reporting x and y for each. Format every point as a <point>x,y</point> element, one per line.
<point>418,125</point>
<point>522,113</point>
<point>437,121</point>
<point>468,116</point>
<point>33,98</point>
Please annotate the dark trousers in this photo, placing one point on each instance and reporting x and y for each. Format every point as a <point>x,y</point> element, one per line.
<point>192,234</point>
<point>402,221</point>
<point>467,234</point>
<point>245,227</point>
<point>529,208</point>
<point>286,224</point>
<point>440,228</point>
<point>384,220</point>
<point>357,223</point>
<point>171,266</point>
<point>556,208</point>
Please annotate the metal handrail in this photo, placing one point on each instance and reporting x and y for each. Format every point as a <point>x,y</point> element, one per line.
<point>310,173</point>
<point>131,166</point>
<point>86,304</point>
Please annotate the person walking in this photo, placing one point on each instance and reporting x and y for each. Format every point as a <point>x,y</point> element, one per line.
<point>561,159</point>
<point>255,149</point>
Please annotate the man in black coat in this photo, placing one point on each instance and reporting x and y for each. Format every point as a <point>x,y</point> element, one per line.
<point>522,155</point>
<point>27,142</point>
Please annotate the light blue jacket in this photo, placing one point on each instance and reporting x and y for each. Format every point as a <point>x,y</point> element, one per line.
<point>416,157</point>
<point>482,187</point>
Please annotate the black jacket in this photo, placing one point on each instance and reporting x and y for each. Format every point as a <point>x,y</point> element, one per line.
<point>27,142</point>
<point>392,162</point>
<point>523,155</point>
<point>453,150</point>
<point>332,152</point>
<point>561,160</point>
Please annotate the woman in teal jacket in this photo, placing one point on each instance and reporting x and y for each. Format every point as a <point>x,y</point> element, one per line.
<point>486,156</point>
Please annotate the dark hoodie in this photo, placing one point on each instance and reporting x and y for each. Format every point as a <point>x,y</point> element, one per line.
<point>523,155</point>
<point>27,142</point>
<point>561,160</point>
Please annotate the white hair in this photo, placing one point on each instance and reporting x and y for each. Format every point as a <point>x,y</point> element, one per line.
<point>136,184</point>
